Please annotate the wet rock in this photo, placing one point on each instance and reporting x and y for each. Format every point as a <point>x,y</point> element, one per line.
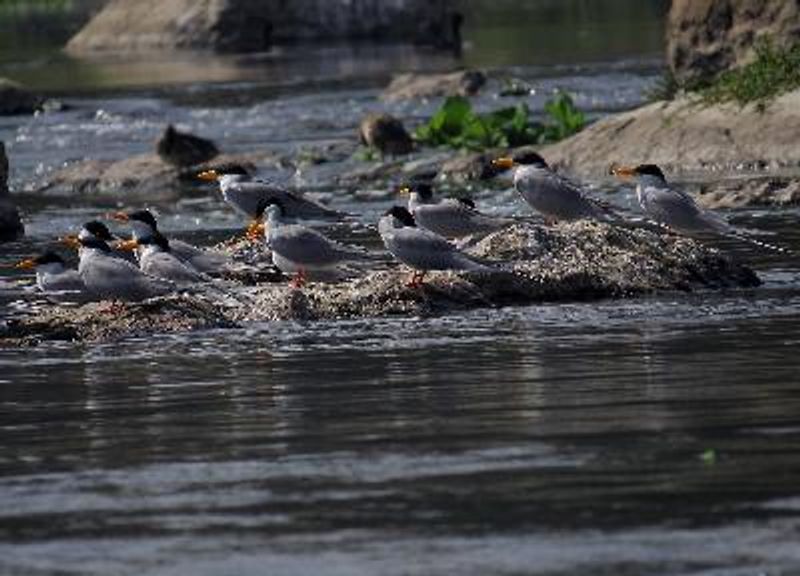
<point>144,176</point>
<point>102,321</point>
<point>10,225</point>
<point>385,133</point>
<point>684,135</point>
<point>181,149</point>
<point>739,193</point>
<point>410,86</point>
<point>15,99</point>
<point>705,37</point>
<point>257,25</point>
<point>572,262</point>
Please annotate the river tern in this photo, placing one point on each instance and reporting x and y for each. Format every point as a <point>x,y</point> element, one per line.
<point>675,209</point>
<point>54,279</point>
<point>157,260</point>
<point>450,217</point>
<point>246,194</point>
<point>302,252</point>
<point>106,276</point>
<point>144,225</point>
<point>549,193</point>
<point>422,249</point>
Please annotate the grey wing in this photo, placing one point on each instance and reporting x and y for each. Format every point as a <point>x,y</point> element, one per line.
<point>168,267</point>
<point>454,219</point>
<point>427,251</point>
<point>249,195</point>
<point>202,260</point>
<point>308,247</point>
<point>245,197</point>
<point>579,205</point>
<point>678,210</point>
<point>69,281</point>
<point>117,278</point>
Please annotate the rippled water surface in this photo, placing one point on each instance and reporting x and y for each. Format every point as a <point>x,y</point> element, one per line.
<point>649,436</point>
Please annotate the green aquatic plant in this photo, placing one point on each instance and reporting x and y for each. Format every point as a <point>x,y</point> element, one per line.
<point>457,125</point>
<point>773,72</point>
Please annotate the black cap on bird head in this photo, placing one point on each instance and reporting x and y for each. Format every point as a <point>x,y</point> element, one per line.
<point>155,240</point>
<point>99,230</point>
<point>649,170</point>
<point>401,214</point>
<point>145,217</point>
<point>232,169</point>
<point>94,242</point>
<point>422,188</point>
<point>529,158</point>
<point>49,257</point>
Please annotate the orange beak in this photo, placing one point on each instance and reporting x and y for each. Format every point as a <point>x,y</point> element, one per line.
<point>255,231</point>
<point>71,241</point>
<point>27,264</point>
<point>126,245</point>
<point>209,176</point>
<point>622,171</point>
<point>504,163</point>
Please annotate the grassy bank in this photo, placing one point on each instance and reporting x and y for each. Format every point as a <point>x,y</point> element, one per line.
<point>773,71</point>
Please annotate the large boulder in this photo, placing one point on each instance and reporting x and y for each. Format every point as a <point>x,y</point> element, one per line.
<point>256,25</point>
<point>411,85</point>
<point>10,224</point>
<point>573,262</point>
<point>685,135</point>
<point>705,37</point>
<point>16,99</point>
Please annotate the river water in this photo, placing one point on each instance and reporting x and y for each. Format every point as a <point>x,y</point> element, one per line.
<point>655,435</point>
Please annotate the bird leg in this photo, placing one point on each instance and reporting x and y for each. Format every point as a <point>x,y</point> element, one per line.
<point>416,279</point>
<point>113,307</point>
<point>299,279</point>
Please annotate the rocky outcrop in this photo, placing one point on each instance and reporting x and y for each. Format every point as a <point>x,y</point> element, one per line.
<point>256,25</point>
<point>10,224</point>
<point>705,37</point>
<point>409,86</point>
<point>572,262</point>
<point>16,99</point>
<point>144,176</point>
<point>685,135</point>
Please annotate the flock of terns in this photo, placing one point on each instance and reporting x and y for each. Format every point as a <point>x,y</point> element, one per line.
<point>420,235</point>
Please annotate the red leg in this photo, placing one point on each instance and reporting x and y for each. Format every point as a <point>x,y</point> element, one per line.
<point>416,279</point>
<point>299,279</point>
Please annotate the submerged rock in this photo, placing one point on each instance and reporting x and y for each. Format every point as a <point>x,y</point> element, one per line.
<point>181,149</point>
<point>385,133</point>
<point>15,99</point>
<point>685,135</point>
<point>257,25</point>
<point>572,262</point>
<point>410,86</point>
<point>10,225</point>
<point>763,191</point>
